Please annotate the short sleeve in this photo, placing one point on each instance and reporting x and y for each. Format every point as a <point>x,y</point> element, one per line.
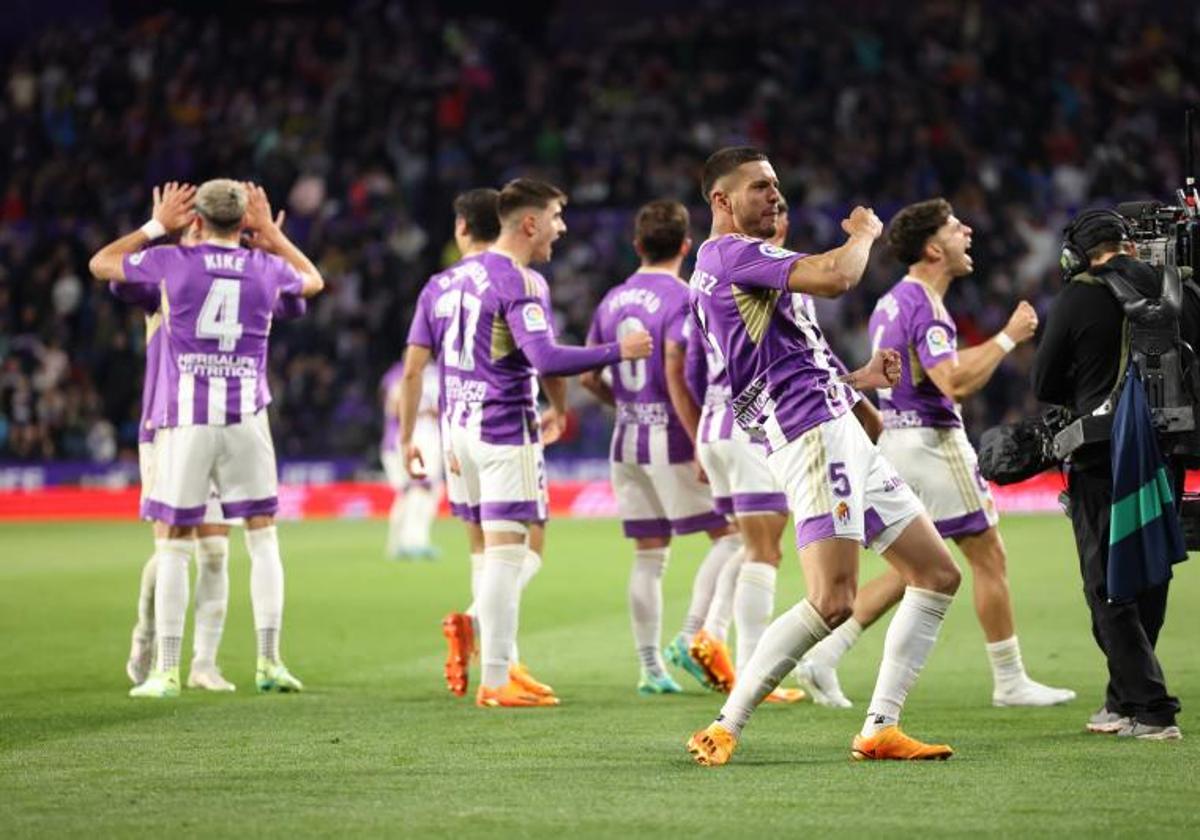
<point>935,339</point>
<point>676,323</point>
<point>148,266</point>
<point>420,331</point>
<point>752,262</point>
<point>288,279</point>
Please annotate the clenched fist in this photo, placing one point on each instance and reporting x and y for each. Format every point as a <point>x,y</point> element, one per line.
<point>1023,323</point>
<point>863,222</point>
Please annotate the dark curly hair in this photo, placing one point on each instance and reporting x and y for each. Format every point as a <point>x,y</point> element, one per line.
<point>913,225</point>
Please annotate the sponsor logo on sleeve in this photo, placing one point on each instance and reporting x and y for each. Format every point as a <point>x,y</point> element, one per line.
<point>534,317</point>
<point>937,339</point>
<point>775,252</point>
<point>136,259</point>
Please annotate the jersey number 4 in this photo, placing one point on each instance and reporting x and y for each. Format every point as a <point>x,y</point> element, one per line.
<point>219,314</point>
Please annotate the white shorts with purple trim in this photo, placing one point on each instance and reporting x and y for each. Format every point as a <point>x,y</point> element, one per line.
<point>498,482</point>
<point>658,500</point>
<point>191,463</point>
<point>839,485</point>
<point>742,483</point>
<point>212,508</point>
<point>941,467</point>
<point>429,441</point>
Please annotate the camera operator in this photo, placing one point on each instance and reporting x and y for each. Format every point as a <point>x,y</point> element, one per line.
<point>1077,365</point>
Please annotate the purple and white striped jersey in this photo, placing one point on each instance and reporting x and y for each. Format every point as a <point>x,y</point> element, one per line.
<point>430,400</point>
<point>476,316</point>
<point>781,380</point>
<point>912,319</point>
<point>217,307</point>
<point>647,430</point>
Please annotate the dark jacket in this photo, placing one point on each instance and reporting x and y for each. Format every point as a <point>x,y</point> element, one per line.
<point>1080,350</point>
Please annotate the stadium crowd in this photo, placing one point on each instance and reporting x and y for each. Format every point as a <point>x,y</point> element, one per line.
<point>363,127</point>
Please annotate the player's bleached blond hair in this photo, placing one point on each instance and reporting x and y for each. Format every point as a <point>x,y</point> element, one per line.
<point>222,203</point>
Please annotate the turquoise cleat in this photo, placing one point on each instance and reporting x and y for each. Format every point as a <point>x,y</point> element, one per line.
<point>677,654</point>
<point>159,685</point>
<point>649,684</point>
<point>274,676</point>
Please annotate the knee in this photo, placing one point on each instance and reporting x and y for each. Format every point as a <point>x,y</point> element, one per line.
<point>942,576</point>
<point>835,602</point>
<point>989,558</point>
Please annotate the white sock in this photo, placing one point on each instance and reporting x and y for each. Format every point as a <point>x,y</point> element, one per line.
<point>529,568</point>
<point>476,578</point>
<point>720,610</point>
<point>266,589</point>
<point>396,515</point>
<point>910,637</point>
<point>170,600</point>
<point>1007,667</point>
<point>705,581</point>
<point>833,647</point>
<point>144,629</point>
<point>645,606</point>
<point>753,606</point>
<point>776,655</point>
<point>417,520</point>
<point>498,605</point>
<point>212,598</point>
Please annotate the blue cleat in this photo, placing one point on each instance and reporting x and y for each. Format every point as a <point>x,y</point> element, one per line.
<point>677,654</point>
<point>650,683</point>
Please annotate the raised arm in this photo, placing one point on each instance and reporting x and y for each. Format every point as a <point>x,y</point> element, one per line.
<point>968,371</point>
<point>529,324</point>
<point>593,380</point>
<point>172,212</point>
<point>837,271</point>
<point>269,236</point>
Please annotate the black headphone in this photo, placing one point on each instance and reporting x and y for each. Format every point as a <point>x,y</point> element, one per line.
<point>1074,259</point>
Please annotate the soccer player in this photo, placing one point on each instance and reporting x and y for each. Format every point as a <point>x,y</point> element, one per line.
<point>415,505</point>
<point>840,489</point>
<point>212,544</point>
<point>924,437</point>
<point>653,476</point>
<point>212,424</point>
<point>498,339</point>
<point>476,227</point>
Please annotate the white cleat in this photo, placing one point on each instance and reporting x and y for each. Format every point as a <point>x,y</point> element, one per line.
<point>159,685</point>
<point>209,678</point>
<point>821,683</point>
<point>1030,693</point>
<point>141,658</point>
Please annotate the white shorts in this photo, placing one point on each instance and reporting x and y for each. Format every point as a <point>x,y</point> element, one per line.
<point>239,460</point>
<point>742,483</point>
<point>147,453</point>
<point>941,467</point>
<point>429,441</point>
<point>658,500</point>
<point>839,485</point>
<point>499,483</point>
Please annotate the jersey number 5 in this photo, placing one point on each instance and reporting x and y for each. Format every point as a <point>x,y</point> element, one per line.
<point>219,314</point>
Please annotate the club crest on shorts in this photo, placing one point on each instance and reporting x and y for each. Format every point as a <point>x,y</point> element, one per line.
<point>842,512</point>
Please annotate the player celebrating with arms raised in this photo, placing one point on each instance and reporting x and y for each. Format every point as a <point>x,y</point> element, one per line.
<point>840,489</point>
<point>218,301</point>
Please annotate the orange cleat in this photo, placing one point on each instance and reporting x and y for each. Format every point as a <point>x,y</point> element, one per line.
<point>712,746</point>
<point>460,646</point>
<point>785,696</point>
<point>890,744</point>
<point>519,674</point>
<point>511,695</point>
<point>713,656</point>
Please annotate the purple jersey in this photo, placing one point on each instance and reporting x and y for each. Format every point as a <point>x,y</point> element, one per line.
<point>780,376</point>
<point>912,319</point>
<point>705,373</point>
<point>217,307</point>
<point>647,430</point>
<point>476,317</point>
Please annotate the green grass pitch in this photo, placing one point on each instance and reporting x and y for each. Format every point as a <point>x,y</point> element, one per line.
<point>376,746</point>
